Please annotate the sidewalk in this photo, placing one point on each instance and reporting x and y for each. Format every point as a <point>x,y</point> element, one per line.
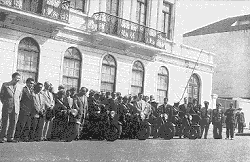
<point>246,132</point>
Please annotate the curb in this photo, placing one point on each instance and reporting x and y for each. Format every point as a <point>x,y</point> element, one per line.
<point>242,134</point>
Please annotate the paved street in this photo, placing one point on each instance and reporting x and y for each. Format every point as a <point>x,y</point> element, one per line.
<point>130,150</point>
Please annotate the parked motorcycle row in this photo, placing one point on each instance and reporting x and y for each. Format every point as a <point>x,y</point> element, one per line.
<point>106,125</point>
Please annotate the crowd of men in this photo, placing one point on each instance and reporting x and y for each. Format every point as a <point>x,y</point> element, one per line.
<point>36,113</point>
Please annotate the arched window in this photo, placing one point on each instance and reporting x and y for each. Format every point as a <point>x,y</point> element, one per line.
<point>162,85</point>
<point>194,88</point>
<point>108,74</point>
<point>28,59</point>
<point>72,68</point>
<point>137,78</point>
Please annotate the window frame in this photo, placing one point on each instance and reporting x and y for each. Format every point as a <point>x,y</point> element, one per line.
<point>143,75</point>
<point>108,65</point>
<point>138,13</point>
<point>167,77</point>
<point>168,33</point>
<point>110,7</point>
<point>80,67</point>
<point>38,58</point>
<point>192,85</point>
<point>84,6</point>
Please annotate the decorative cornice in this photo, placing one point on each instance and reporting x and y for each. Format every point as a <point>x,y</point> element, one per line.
<point>184,63</point>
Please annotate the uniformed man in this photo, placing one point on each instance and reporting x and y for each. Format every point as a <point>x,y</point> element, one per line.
<point>205,119</point>
<point>240,120</point>
<point>183,107</point>
<point>217,119</point>
<point>230,121</point>
<point>153,119</point>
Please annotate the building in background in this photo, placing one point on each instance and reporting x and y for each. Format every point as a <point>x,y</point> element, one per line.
<point>230,40</point>
<point>128,46</point>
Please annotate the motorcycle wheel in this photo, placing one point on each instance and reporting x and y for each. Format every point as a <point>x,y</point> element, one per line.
<point>144,131</point>
<point>194,132</point>
<point>112,133</point>
<point>168,133</point>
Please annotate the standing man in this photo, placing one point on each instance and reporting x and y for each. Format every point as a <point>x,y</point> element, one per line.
<point>26,106</point>
<point>49,97</point>
<point>81,105</point>
<point>240,120</point>
<point>10,96</point>
<point>217,119</point>
<point>184,107</point>
<point>153,119</point>
<point>230,121</point>
<point>205,119</point>
<point>37,113</point>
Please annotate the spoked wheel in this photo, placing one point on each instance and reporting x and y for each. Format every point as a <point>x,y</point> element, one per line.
<point>112,133</point>
<point>144,131</point>
<point>168,132</point>
<point>194,132</point>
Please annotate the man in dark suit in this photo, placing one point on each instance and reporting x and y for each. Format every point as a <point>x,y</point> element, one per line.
<point>240,120</point>
<point>217,119</point>
<point>81,105</point>
<point>183,107</point>
<point>205,119</point>
<point>154,116</point>
<point>26,104</point>
<point>10,96</point>
<point>230,121</point>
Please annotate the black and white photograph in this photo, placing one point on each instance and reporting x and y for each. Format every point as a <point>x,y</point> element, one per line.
<point>124,81</point>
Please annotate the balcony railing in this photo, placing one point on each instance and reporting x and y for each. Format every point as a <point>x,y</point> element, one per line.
<point>126,29</point>
<point>54,9</point>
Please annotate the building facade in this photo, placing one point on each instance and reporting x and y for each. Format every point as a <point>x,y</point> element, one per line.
<point>127,46</point>
<point>229,38</point>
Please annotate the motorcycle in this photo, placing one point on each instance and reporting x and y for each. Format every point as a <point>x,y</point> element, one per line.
<point>194,126</point>
<point>144,127</point>
<point>113,127</point>
<point>167,128</point>
<point>93,127</point>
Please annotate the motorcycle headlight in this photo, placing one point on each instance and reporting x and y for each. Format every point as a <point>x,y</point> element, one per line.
<point>142,115</point>
<point>166,116</point>
<point>112,113</point>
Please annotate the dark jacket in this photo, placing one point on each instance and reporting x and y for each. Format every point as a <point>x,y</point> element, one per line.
<point>81,104</point>
<point>230,116</point>
<point>26,102</point>
<point>240,117</point>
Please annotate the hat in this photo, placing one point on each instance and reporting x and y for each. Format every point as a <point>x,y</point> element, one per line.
<point>60,87</point>
<point>206,102</point>
<point>218,104</point>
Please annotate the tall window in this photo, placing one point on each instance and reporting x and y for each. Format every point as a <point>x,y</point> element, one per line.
<point>33,6</point>
<point>193,88</point>
<point>108,74</point>
<point>28,59</point>
<point>72,68</point>
<point>113,7</point>
<point>141,12</point>
<point>137,78</point>
<point>78,5</point>
<point>166,18</point>
<point>162,86</point>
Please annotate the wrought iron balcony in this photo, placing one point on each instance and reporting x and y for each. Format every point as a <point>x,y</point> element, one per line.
<point>54,9</point>
<point>126,29</point>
